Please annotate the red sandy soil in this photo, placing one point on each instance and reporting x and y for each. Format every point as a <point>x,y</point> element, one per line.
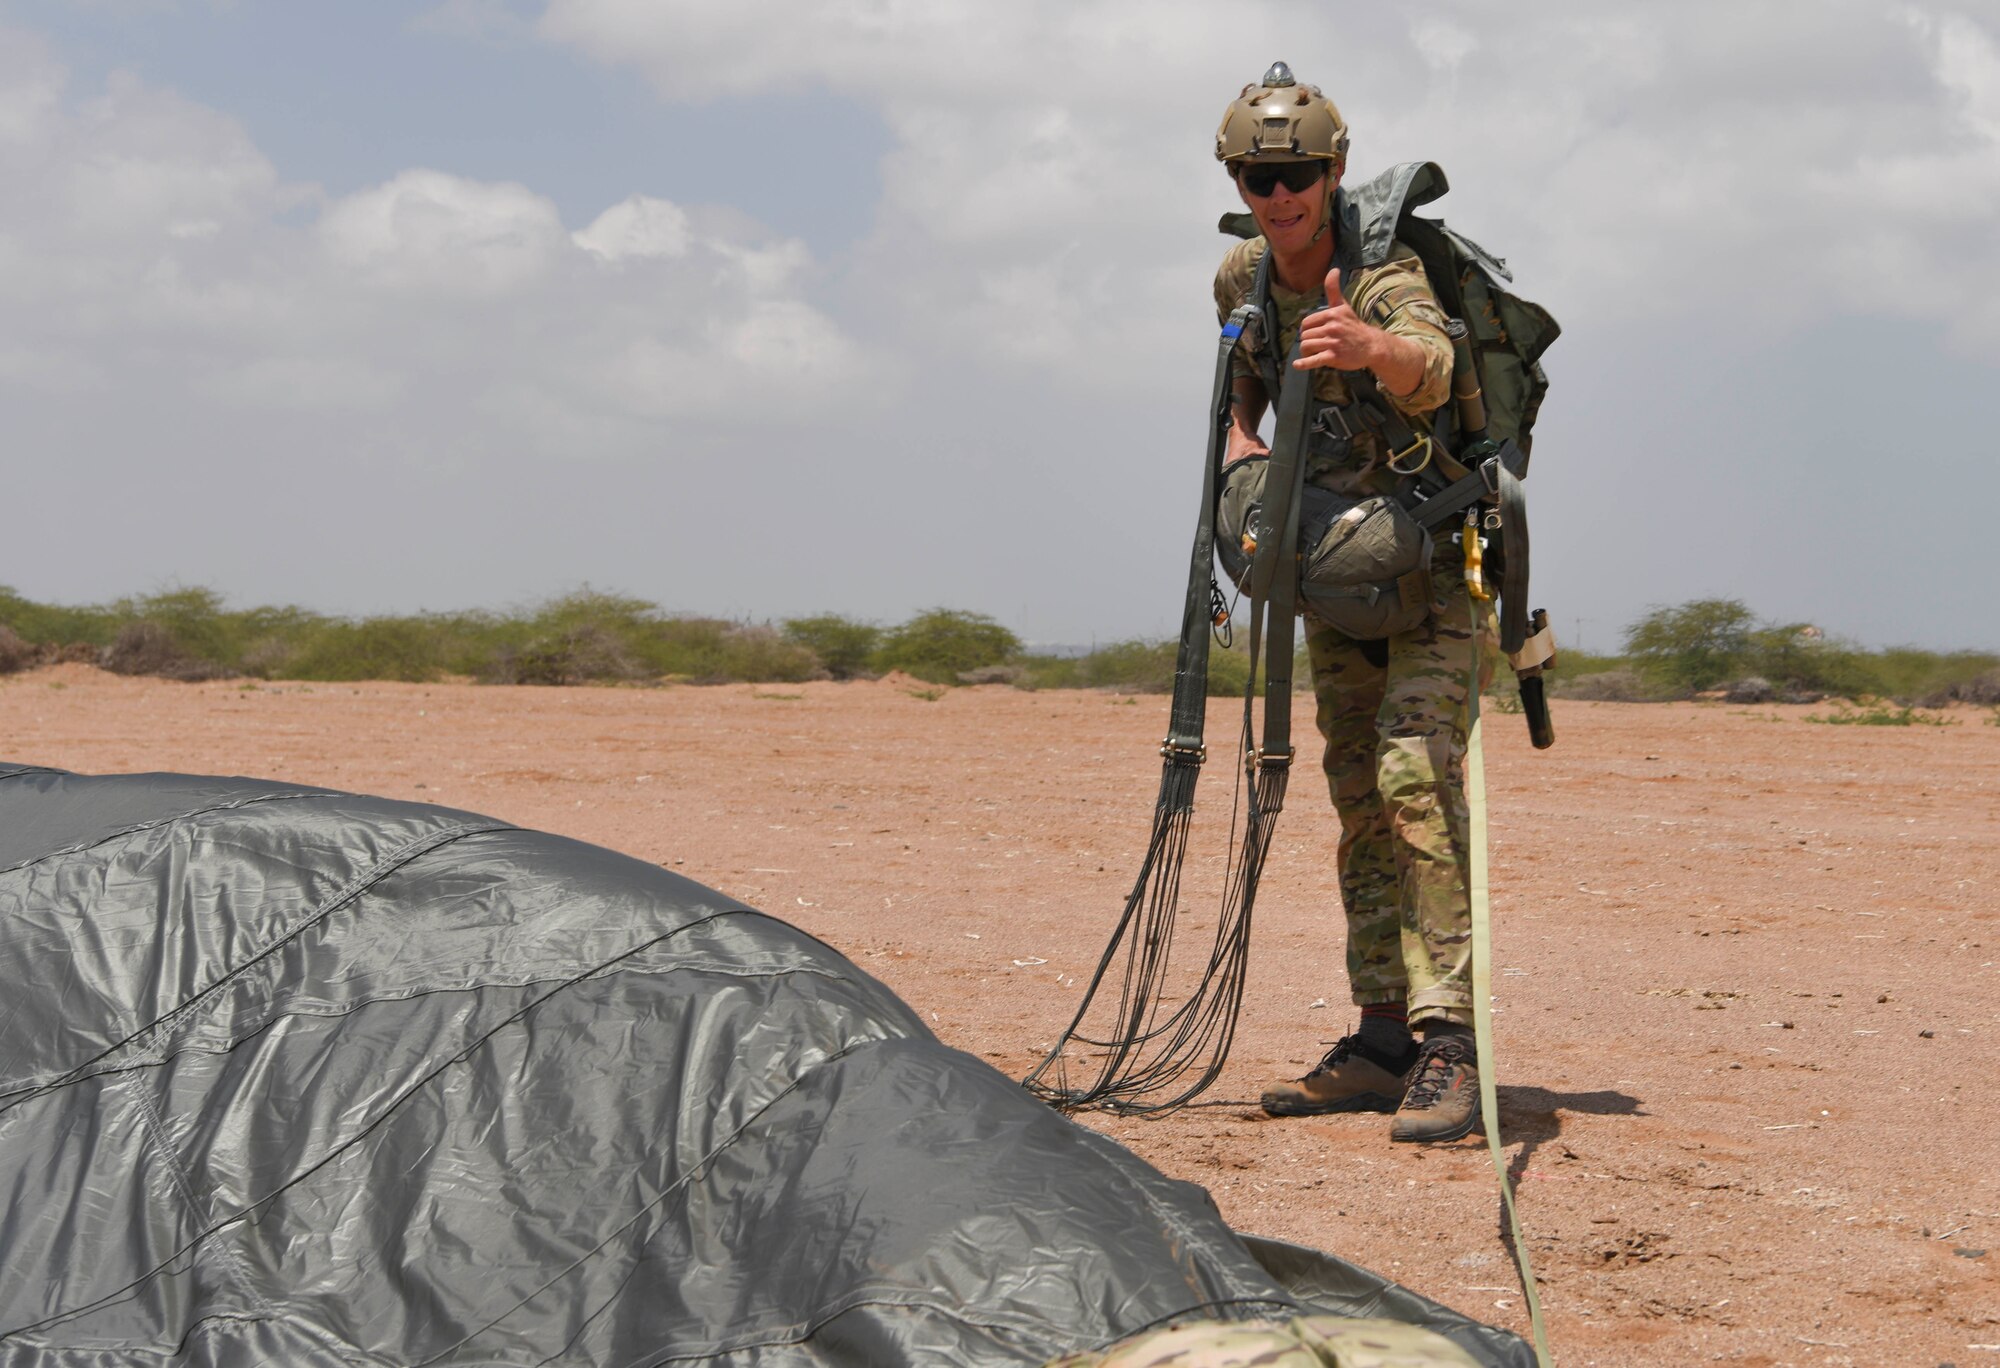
<point>1744,964</point>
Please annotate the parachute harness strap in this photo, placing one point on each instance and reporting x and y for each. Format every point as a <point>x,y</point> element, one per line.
<point>1152,1059</point>
<point>1482,940</point>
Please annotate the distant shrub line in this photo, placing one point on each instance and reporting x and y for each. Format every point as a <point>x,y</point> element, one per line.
<point>587,637</point>
<point>591,637</point>
<point>1720,647</point>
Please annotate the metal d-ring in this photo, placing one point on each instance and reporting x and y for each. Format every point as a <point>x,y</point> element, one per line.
<point>1423,445</point>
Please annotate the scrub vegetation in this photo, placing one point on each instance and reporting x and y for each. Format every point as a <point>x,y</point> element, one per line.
<point>589,636</point>
<point>1720,645</point>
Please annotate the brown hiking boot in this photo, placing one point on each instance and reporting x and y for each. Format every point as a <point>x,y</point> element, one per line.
<point>1349,1079</point>
<point>1443,1099</point>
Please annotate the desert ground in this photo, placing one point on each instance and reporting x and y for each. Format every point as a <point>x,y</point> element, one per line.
<point>1745,984</point>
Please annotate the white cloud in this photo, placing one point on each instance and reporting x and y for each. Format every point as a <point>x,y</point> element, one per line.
<point>130,165</point>
<point>147,245</point>
<point>1606,150</point>
<point>1968,63</point>
<point>1048,158</point>
<point>763,269</point>
<point>428,230</point>
<point>1442,44</point>
<point>640,226</point>
<point>31,84</point>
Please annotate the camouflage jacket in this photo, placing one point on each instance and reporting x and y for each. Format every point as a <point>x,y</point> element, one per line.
<point>1394,296</point>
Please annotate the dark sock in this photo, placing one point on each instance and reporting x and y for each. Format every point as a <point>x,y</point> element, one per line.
<point>1382,1014</point>
<point>1385,1035</point>
<point>1432,1029</point>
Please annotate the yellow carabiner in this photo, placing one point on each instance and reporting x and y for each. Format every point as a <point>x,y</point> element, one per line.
<point>1475,579</point>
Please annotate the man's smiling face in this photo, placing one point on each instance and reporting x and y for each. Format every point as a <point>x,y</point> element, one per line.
<point>1287,217</point>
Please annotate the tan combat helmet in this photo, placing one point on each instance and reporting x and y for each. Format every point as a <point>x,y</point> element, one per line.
<point>1281,120</point>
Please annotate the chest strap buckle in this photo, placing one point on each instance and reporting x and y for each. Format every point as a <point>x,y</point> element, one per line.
<point>1332,420</point>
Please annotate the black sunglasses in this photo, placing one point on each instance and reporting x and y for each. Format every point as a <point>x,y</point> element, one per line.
<point>1261,178</point>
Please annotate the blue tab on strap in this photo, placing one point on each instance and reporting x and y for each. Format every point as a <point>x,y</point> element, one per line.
<point>1232,329</point>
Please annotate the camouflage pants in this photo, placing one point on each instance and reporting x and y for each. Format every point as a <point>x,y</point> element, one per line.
<point>1395,764</point>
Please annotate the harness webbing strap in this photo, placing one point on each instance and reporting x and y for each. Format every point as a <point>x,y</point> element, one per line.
<point>1482,987</point>
<point>1514,558</point>
<point>1274,578</point>
<point>1448,503</point>
<point>1266,351</point>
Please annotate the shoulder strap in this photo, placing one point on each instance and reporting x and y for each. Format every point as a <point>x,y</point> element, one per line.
<point>1274,578</point>
<point>1267,326</point>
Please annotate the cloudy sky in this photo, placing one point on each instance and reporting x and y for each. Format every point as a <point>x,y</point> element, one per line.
<point>764,308</point>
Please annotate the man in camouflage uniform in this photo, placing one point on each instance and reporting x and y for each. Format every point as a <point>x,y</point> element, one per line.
<point>1394,712</point>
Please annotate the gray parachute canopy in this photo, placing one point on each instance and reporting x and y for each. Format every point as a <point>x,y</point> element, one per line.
<point>293,1076</point>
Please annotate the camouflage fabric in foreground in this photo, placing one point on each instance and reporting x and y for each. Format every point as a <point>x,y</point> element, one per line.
<point>1308,1342</point>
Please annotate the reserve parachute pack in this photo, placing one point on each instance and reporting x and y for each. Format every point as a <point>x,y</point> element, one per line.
<point>1364,563</point>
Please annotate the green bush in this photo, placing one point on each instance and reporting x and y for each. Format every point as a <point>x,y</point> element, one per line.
<point>1134,666</point>
<point>193,619</point>
<point>842,644</point>
<point>1570,663</point>
<point>687,648</point>
<point>760,654</point>
<point>1050,672</point>
<point>583,654</point>
<point>583,636</point>
<point>578,638</point>
<point>1933,680</point>
<point>1141,666</point>
<point>1709,642</point>
<point>691,649</point>
<point>146,648</point>
<point>1606,686</point>
<point>942,643</point>
<point>410,649</point>
<point>1694,646</point>
<point>1230,672</point>
<point>1798,661</point>
<point>16,652</point>
<point>591,637</point>
<point>44,624</point>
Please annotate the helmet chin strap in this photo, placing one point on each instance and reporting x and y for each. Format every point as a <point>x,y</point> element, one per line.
<point>1326,208</point>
